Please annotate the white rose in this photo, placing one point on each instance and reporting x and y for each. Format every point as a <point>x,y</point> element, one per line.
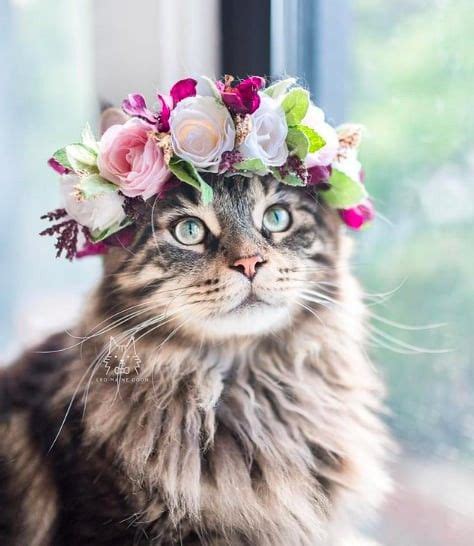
<point>349,165</point>
<point>98,213</point>
<point>314,119</point>
<point>201,130</point>
<point>267,138</point>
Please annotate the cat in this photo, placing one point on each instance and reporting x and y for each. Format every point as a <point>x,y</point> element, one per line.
<point>243,409</point>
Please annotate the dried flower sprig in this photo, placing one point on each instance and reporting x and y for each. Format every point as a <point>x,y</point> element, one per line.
<point>66,233</point>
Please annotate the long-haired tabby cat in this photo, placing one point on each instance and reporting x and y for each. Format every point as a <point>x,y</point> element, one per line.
<point>216,390</point>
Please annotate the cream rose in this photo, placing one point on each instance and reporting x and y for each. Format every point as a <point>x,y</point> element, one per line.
<point>98,213</point>
<point>201,131</point>
<point>267,138</point>
<point>314,119</point>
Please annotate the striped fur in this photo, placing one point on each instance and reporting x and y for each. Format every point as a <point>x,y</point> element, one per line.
<point>244,425</point>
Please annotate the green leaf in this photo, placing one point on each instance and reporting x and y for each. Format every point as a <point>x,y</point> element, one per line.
<point>344,191</point>
<point>186,172</point>
<point>276,174</point>
<point>88,139</point>
<point>293,180</point>
<point>94,185</point>
<point>316,141</point>
<point>99,235</point>
<point>295,105</point>
<point>278,89</point>
<point>61,157</point>
<point>254,165</point>
<point>81,159</point>
<point>297,142</point>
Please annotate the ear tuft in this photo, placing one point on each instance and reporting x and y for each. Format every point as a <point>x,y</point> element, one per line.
<point>111,116</point>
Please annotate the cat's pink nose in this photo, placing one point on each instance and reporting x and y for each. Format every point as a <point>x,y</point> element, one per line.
<point>248,266</point>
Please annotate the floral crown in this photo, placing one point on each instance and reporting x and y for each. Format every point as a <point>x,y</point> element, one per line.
<point>226,127</point>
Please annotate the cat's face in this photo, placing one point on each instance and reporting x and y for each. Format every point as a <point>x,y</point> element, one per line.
<point>238,266</point>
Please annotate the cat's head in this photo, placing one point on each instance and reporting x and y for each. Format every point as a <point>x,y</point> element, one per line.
<point>239,266</point>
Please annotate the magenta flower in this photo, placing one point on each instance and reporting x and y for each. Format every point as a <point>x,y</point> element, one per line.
<point>121,239</point>
<point>243,98</point>
<point>163,125</point>
<point>91,249</point>
<point>183,89</point>
<point>135,104</point>
<point>56,166</point>
<point>357,216</point>
<point>180,90</point>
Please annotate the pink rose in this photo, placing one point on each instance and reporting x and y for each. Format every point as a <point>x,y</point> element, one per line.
<point>130,157</point>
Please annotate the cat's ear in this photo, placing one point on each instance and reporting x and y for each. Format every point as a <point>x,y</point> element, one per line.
<point>111,116</point>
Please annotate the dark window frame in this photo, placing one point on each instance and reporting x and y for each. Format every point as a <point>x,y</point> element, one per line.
<point>245,37</point>
<point>309,39</point>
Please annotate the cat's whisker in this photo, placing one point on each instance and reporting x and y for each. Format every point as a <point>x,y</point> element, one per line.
<point>159,320</point>
<point>384,219</point>
<point>376,333</point>
<point>131,332</point>
<point>153,230</point>
<point>378,343</point>
<point>83,339</point>
<point>377,340</point>
<point>378,298</point>
<point>149,307</point>
<point>407,327</point>
<point>407,346</point>
<point>310,311</point>
<point>69,406</point>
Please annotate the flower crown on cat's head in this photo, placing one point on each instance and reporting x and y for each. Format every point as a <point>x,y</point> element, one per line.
<point>226,127</point>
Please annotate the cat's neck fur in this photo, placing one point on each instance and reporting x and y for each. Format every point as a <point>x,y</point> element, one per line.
<point>262,433</point>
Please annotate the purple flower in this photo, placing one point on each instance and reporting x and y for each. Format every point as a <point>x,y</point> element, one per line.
<point>243,98</point>
<point>357,216</point>
<point>319,174</point>
<point>135,105</point>
<point>55,165</point>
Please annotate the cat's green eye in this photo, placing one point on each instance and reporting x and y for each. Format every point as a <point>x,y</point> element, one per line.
<point>190,231</point>
<point>276,218</point>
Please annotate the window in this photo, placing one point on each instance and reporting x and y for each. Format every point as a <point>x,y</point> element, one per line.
<point>405,70</point>
<point>47,93</point>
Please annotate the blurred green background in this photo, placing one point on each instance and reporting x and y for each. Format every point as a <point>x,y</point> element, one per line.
<point>413,79</point>
<point>413,85</point>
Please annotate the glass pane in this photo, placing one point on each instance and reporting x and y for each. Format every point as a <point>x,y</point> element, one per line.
<point>413,75</point>
<point>46,93</point>
<point>406,71</point>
